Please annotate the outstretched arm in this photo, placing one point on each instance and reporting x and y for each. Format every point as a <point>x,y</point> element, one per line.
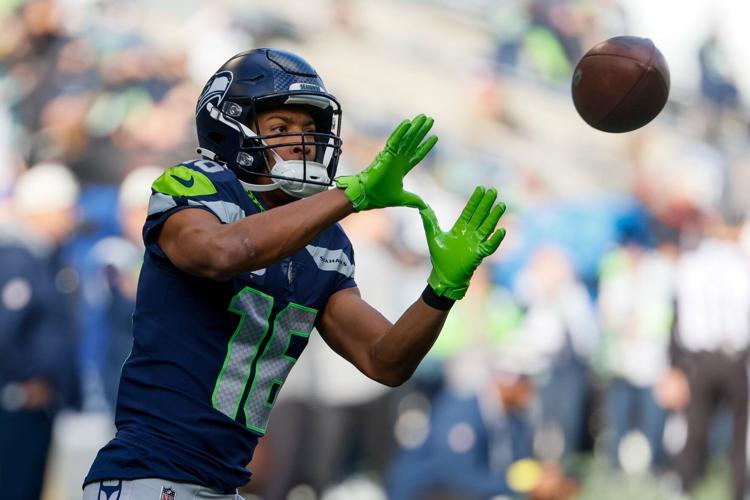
<point>197,243</point>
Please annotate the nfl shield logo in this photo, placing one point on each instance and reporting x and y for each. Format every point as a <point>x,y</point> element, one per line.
<point>166,493</point>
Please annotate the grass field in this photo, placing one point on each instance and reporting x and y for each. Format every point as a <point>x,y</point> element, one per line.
<point>600,482</point>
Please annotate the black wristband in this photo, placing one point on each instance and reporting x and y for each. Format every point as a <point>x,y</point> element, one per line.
<point>432,299</point>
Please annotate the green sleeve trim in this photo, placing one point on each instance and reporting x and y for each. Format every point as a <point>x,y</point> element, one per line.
<point>184,181</point>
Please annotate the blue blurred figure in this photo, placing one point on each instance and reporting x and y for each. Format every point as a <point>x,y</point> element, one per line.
<point>110,278</point>
<point>471,442</point>
<point>38,375</point>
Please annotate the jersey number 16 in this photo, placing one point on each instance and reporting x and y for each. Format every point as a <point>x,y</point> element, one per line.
<point>259,356</point>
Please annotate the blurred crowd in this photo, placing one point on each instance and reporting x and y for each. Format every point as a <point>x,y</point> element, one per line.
<point>610,334</point>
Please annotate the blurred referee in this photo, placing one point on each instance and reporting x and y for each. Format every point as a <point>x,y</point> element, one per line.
<point>709,349</point>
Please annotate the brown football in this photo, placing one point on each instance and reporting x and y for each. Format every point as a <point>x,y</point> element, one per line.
<point>621,84</point>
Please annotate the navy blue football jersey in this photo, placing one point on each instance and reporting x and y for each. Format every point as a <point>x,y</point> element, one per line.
<point>209,357</point>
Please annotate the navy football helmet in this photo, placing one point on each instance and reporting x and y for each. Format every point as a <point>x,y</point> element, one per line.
<point>227,121</point>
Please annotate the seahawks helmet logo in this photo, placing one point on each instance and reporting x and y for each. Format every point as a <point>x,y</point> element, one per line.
<point>215,89</point>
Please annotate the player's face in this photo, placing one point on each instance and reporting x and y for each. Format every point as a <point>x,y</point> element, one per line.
<point>287,120</point>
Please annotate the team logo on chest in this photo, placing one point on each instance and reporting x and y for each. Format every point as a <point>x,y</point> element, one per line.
<point>167,493</point>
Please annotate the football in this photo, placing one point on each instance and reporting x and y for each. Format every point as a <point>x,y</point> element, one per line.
<point>621,84</point>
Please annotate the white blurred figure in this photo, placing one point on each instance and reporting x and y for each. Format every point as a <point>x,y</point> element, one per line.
<point>38,376</point>
<point>560,324</point>
<point>44,201</point>
<point>710,346</point>
<point>636,296</point>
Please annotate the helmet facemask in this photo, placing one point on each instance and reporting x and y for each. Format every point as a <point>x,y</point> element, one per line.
<point>256,157</point>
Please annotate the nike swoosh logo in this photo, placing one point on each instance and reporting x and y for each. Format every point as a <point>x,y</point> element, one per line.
<point>188,183</point>
<point>259,272</point>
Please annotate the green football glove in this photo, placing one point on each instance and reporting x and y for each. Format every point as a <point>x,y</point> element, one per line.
<point>455,254</point>
<point>382,183</point>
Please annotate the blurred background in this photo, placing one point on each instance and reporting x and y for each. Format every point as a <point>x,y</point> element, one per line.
<point>601,354</point>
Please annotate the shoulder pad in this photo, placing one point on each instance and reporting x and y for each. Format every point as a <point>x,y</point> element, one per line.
<point>182,180</point>
<point>191,178</point>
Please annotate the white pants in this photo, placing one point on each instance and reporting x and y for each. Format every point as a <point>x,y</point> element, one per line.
<point>152,489</point>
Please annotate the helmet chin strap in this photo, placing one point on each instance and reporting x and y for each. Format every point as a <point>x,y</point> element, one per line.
<point>259,187</point>
<point>264,187</point>
<point>295,188</point>
<point>207,153</point>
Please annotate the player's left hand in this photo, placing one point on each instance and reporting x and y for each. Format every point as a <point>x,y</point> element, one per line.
<point>381,184</point>
<point>455,254</point>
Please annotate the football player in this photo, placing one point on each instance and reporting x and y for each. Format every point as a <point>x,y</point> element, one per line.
<point>244,257</point>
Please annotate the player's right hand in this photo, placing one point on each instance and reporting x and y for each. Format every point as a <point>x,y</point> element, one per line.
<point>456,253</point>
<point>381,184</point>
